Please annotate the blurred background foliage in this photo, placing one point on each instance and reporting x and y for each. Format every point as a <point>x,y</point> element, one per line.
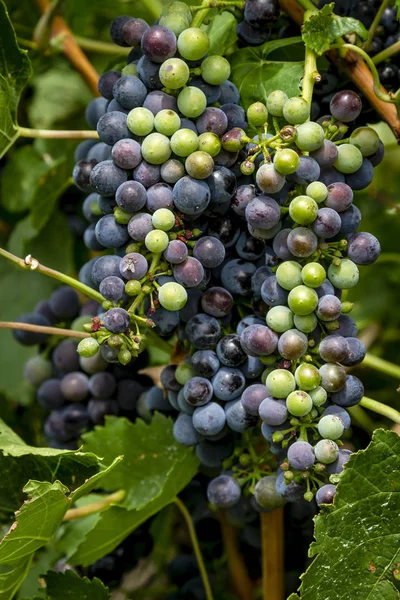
<point>40,210</point>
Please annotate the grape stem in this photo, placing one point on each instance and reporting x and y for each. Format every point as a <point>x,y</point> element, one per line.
<point>355,68</point>
<point>272,554</point>
<point>386,53</point>
<point>311,75</point>
<point>32,264</point>
<point>196,547</point>
<point>71,49</point>
<point>95,507</point>
<point>374,25</point>
<point>217,4</point>
<point>55,134</point>
<point>237,569</point>
<point>381,409</point>
<point>43,329</point>
<point>361,418</point>
<point>379,364</point>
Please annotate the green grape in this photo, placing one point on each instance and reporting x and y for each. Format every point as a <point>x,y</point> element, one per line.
<point>163,219</point>
<point>286,161</point>
<point>266,495</point>
<point>275,103</point>
<point>310,136</point>
<point>193,43</point>
<point>175,21</point>
<point>296,110</point>
<point>318,395</point>
<point>307,377</point>
<point>280,383</point>
<point>199,165</point>
<point>140,121</point>
<point>184,142</point>
<point>349,159</point>
<point>313,274</point>
<point>317,191</point>
<point>288,274</point>
<point>305,323</point>
<point>366,140</point>
<point>303,210</point>
<point>215,69</point>
<point>280,318</point>
<point>192,102</point>
<point>156,148</point>
<point>326,451</point>
<point>344,275</point>
<point>174,73</point>
<point>232,140</point>
<point>88,347</point>
<point>257,114</point>
<point>167,121</point>
<point>299,403</point>
<point>156,241</point>
<point>331,427</point>
<point>133,287</point>
<point>122,217</point>
<point>303,300</point>
<point>210,143</point>
<point>184,372</point>
<point>172,296</point>
<point>130,69</point>
<point>177,7</point>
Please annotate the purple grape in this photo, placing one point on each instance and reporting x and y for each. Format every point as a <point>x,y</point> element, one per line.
<point>158,43</point>
<point>159,196</point>
<point>258,340</point>
<point>205,363</point>
<point>242,198</point>
<point>272,293</point>
<point>252,398</point>
<point>106,177</point>
<point>214,120</point>
<point>329,308</point>
<point>139,226</point>
<point>363,248</point>
<point>331,175</point>
<point>131,196</point>
<point>176,252</point>
<point>133,266</point>
<point>356,352</point>
<point>132,32</point>
<point>117,320</point>
<point>223,491</point>
<point>301,456</point>
<point>189,273</point>
<point>49,394</point>
<point>94,110</point>
<point>302,242</point>
<point>126,154</point>
<point>198,391</point>
<point>326,155</point>
<point>280,246</point>
<point>346,106</point>
<point>325,494</point>
<point>327,224</point>
<point>102,385</point>
<point>350,219</point>
<point>292,344</point>
<point>236,277</point>
<point>75,386</point>
<point>209,251</point>
<point>263,212</point>
<point>147,174</point>
<point>334,348</point>
<point>307,171</point>
<point>191,196</point>
<point>340,196</point>
<point>203,331</point>
<point>158,100</point>
<point>236,116</point>
<point>273,412</point>
<point>112,127</point>
<point>112,288</point>
<point>106,83</point>
<point>350,394</point>
<point>217,302</point>
<point>260,13</point>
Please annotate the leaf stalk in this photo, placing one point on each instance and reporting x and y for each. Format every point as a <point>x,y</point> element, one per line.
<point>81,134</point>
<point>95,507</point>
<point>381,409</point>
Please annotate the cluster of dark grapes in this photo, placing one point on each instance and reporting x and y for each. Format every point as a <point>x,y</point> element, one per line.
<point>270,336</point>
<point>77,392</point>
<point>170,127</point>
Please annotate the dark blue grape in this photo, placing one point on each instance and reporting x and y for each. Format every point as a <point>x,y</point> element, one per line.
<point>327,224</point>
<point>222,184</point>
<point>117,320</point>
<point>203,331</point>
<point>126,154</point>
<point>212,454</point>
<point>189,273</point>
<point>223,491</point>
<point>98,409</point>
<point>361,179</point>
<point>301,456</point>
<point>250,36</point>
<point>258,340</point>
<point>260,13</point>
<point>159,196</point>
<point>205,363</point>
<point>198,391</point>
<point>112,288</point>
<point>191,196</point>
<point>229,93</point>
<point>209,420</point>
<point>236,116</point>
<point>106,83</point>
<point>176,252</point>
<point>90,240</point>
<point>75,386</point>
<point>340,412</point>
<point>65,357</point>
<point>350,394</point>
<point>226,229</point>
<point>331,175</point>
<point>81,174</point>
<point>104,266</point>
<point>337,466</point>
<point>236,277</point>
<point>147,174</point>
<point>184,431</point>
<point>102,385</point>
<point>49,394</point>
<point>106,177</point>
<point>242,198</point>
<point>228,383</point>
<point>106,205</point>
<point>192,306</point>
<point>109,233</point>
<point>376,159</point>
<point>64,303</point>
<point>99,152</point>
<point>90,207</point>
<point>273,412</point>
<point>258,279</point>
<point>347,327</point>
<point>112,127</point>
<point>117,28</point>
<point>290,492</point>
<point>211,92</point>
<point>363,248</point>
<point>237,418</point>
<point>350,219</point>
<point>356,352</point>
<point>82,149</point>
<point>230,352</point>
<point>252,368</point>
<point>326,155</point>
<point>209,251</point>
<point>131,196</point>
<point>307,171</point>
<point>129,92</point>
<point>253,397</point>
<point>166,321</point>
<point>139,226</point>
<point>246,322</point>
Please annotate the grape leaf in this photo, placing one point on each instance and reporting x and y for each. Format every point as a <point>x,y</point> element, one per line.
<point>357,547</point>
<point>397,5</point>
<point>20,177</point>
<point>255,73</point>
<point>115,524</point>
<point>75,531</point>
<point>15,70</point>
<point>323,28</point>
<point>222,33</point>
<point>147,463</point>
<point>20,462</point>
<point>69,586</point>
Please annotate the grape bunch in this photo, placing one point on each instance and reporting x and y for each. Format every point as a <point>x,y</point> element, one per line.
<point>269,339</point>
<point>171,129</point>
<point>75,392</point>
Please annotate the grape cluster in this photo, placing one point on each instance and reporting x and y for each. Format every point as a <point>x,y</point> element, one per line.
<point>270,336</point>
<point>170,127</point>
<point>77,392</point>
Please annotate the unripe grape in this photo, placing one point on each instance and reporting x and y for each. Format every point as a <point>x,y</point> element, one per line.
<point>299,403</point>
<point>303,210</point>
<point>199,165</point>
<point>174,73</point>
<point>288,274</point>
<point>318,395</point>
<point>184,142</point>
<point>331,427</point>
<point>280,318</point>
<point>307,377</point>
<point>326,451</point>
<point>215,69</point>
<point>303,300</point>
<point>310,136</point>
<point>133,287</point>
<point>318,191</point>
<point>296,110</point>
<point>193,43</point>
<point>156,241</point>
<point>156,149</point>
<point>257,114</point>
<point>167,122</point>
<point>88,347</point>
<point>269,180</point>
<point>275,103</point>
<point>345,275</point>
<point>192,102</point>
<point>140,121</point>
<point>280,383</point>
<point>163,219</point>
<point>349,159</point>
<point>286,161</point>
<point>366,140</point>
<point>313,274</point>
<point>306,323</point>
<point>209,142</point>
<point>333,377</point>
<point>172,296</point>
<point>232,140</point>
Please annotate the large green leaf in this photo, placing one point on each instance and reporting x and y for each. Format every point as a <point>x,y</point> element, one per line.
<point>69,586</point>
<point>115,524</point>
<point>357,547</point>
<point>148,462</point>
<point>222,33</point>
<point>15,70</point>
<point>20,462</point>
<point>323,28</point>
<point>20,178</point>
<point>256,71</point>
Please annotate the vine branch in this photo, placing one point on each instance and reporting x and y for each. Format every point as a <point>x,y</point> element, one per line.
<point>354,67</point>
<point>32,264</point>
<point>43,329</point>
<point>237,569</point>
<point>381,409</point>
<point>375,23</point>
<point>196,547</point>
<point>382,365</point>
<point>71,49</point>
<point>89,509</point>
<point>272,554</point>
<point>80,134</point>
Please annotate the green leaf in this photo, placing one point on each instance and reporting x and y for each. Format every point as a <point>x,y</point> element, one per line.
<point>222,33</point>
<point>69,586</point>
<point>20,462</point>
<point>256,72</point>
<point>15,70</point>
<point>324,27</point>
<point>75,531</point>
<point>44,560</point>
<point>116,523</point>
<point>147,463</point>
<point>357,547</point>
<point>20,177</point>
<point>94,481</point>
